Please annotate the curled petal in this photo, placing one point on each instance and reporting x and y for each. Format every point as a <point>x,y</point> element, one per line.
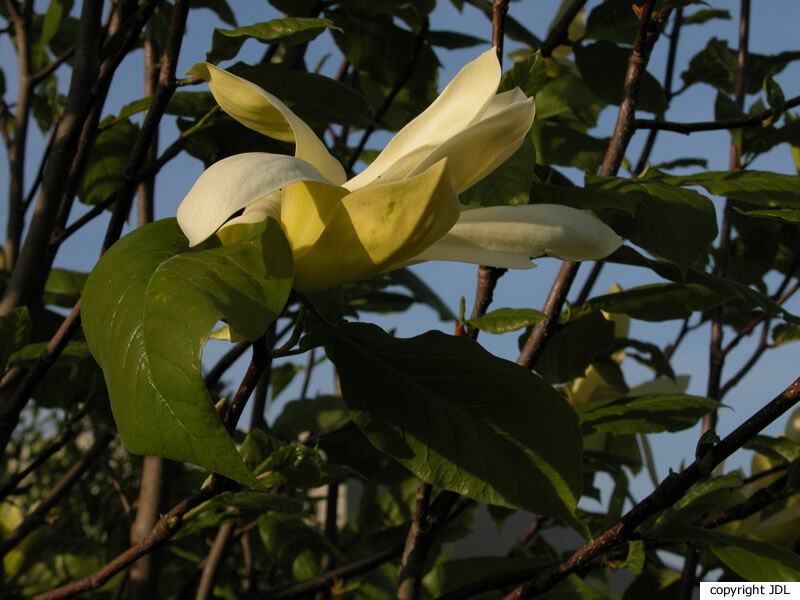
<point>509,236</point>
<point>370,230</point>
<point>259,110</point>
<point>461,103</point>
<point>232,184</point>
<point>478,150</point>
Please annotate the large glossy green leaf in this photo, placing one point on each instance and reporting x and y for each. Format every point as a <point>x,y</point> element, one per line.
<point>148,308</point>
<point>226,43</point>
<point>558,144</point>
<point>644,414</point>
<point>669,221</point>
<point>461,418</point>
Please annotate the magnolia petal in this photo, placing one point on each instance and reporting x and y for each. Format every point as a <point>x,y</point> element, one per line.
<point>259,110</point>
<point>460,104</point>
<point>233,183</point>
<point>509,236</point>
<point>372,229</point>
<point>306,208</point>
<point>478,150</point>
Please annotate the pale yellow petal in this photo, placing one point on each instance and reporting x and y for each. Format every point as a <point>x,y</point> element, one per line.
<point>374,228</point>
<point>478,150</point>
<point>259,110</point>
<point>232,184</point>
<point>509,236</point>
<point>306,209</point>
<point>269,206</point>
<point>461,103</point>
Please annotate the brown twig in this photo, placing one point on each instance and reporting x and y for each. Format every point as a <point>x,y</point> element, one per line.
<point>668,94</point>
<point>213,562</point>
<point>716,357</point>
<point>738,123</point>
<point>664,496</point>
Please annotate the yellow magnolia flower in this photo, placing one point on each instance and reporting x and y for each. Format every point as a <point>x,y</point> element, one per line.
<point>401,209</point>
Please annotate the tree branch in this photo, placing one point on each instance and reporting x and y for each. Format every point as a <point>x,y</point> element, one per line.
<point>738,123</point>
<point>645,39</point>
<point>664,496</point>
<point>558,34</point>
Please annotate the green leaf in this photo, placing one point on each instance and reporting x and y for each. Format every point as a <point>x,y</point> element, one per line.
<point>473,430</point>
<point>785,333</point>
<point>220,8</point>
<point>669,221</point>
<point>529,75</point>
<point>238,508</point>
<point>762,188</point>
<point>612,21</point>
<point>310,416</point>
<point>781,449</point>
<point>574,346</point>
<point>789,215</point>
<point>504,320</point>
<point>716,65</point>
<point>753,560</point>
<point>644,414</point>
<point>568,100</point>
<point>107,162</point>
<point>15,331</point>
<point>56,11</point>
<point>510,183</point>
<point>558,144</point>
<point>453,39</point>
<point>634,561</point>
<point>663,301</point>
<point>603,66</point>
<point>302,92</point>
<point>705,15</point>
<point>226,43</point>
<point>148,308</point>
<point>421,292</point>
<point>63,287</point>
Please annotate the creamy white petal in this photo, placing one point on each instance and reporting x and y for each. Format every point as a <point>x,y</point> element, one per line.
<point>461,103</point>
<point>479,149</point>
<point>259,110</point>
<point>233,183</point>
<point>509,236</point>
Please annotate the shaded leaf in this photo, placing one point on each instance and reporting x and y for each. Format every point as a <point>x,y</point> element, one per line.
<point>15,331</point>
<point>453,39</point>
<point>762,188</point>
<point>219,7</point>
<point>644,414</point>
<point>225,43</point>
<point>107,162</point>
<point>445,430</point>
<point>149,306</point>
<point>603,66</point>
<point>574,346</point>
<point>503,320</point>
<point>63,287</point>
<point>529,75</point>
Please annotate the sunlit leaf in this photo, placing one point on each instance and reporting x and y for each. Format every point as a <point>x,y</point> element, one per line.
<point>148,308</point>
